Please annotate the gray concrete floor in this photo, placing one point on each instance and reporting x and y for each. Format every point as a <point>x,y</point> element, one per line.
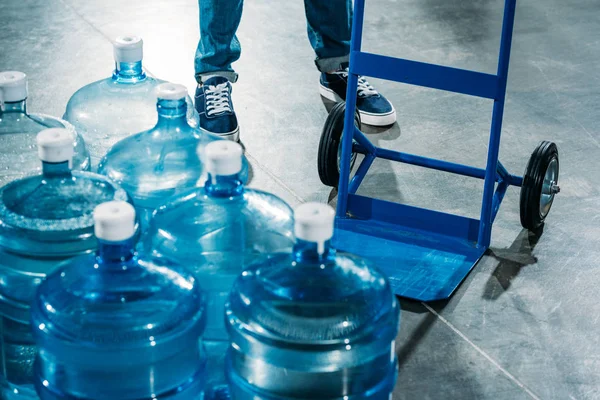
<point>524,325</point>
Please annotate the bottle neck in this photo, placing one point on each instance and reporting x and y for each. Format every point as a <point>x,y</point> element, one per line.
<point>56,169</point>
<point>171,111</point>
<point>19,107</point>
<point>129,72</point>
<point>115,254</point>
<point>312,252</point>
<point>224,185</point>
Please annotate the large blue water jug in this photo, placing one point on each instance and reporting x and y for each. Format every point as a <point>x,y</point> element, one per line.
<point>44,220</point>
<point>111,109</point>
<point>216,231</point>
<point>161,162</point>
<point>312,323</point>
<point>18,129</point>
<point>116,325</point>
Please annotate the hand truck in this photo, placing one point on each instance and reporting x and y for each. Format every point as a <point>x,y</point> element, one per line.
<point>426,254</point>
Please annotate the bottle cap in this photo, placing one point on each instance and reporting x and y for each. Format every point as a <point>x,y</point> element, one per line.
<point>55,145</point>
<point>128,49</point>
<point>223,157</point>
<point>13,86</point>
<point>314,223</point>
<point>171,91</point>
<point>114,221</point>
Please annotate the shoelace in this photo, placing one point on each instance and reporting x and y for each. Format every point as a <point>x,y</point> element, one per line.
<point>365,89</point>
<point>217,99</point>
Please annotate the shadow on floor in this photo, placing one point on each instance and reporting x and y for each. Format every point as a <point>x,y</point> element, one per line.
<point>384,133</point>
<point>409,346</point>
<point>512,259</point>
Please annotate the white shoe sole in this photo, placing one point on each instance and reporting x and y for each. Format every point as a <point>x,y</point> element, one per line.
<point>234,135</point>
<point>365,117</point>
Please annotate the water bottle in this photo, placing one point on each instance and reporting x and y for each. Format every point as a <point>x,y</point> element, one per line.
<point>161,162</point>
<point>116,325</point>
<point>111,109</point>
<point>18,129</point>
<point>216,231</point>
<point>44,220</point>
<point>312,323</point>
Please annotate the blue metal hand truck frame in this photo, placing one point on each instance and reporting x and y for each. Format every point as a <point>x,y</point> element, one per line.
<point>426,254</point>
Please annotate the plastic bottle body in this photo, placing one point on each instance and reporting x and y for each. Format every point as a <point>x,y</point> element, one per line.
<point>18,355</point>
<point>18,131</point>
<point>310,326</point>
<point>216,235</point>
<point>116,326</point>
<point>155,165</point>
<point>109,110</point>
<point>159,163</point>
<point>45,220</point>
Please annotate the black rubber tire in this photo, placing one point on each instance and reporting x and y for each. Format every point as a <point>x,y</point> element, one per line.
<point>533,180</point>
<point>327,160</point>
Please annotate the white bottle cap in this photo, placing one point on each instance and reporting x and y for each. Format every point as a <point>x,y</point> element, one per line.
<point>128,49</point>
<point>13,86</point>
<point>55,145</point>
<point>223,157</point>
<point>171,91</point>
<point>314,223</point>
<point>114,221</point>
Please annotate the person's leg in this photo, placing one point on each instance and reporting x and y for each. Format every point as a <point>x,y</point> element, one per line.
<point>217,50</point>
<point>219,46</point>
<point>329,31</point>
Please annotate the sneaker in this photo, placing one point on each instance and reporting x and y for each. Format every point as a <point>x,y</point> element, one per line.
<point>374,109</point>
<point>214,106</point>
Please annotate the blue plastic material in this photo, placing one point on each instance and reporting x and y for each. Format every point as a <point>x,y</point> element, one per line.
<point>216,231</point>
<point>116,325</point>
<point>162,162</point>
<point>18,149</point>
<point>305,325</point>
<point>425,253</point>
<point>111,109</point>
<point>44,220</point>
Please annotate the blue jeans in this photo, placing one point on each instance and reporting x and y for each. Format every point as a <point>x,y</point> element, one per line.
<point>329,31</point>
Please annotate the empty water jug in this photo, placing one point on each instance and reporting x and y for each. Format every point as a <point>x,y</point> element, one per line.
<point>216,231</point>
<point>312,324</point>
<point>116,325</point>
<point>111,109</point>
<point>44,220</point>
<point>163,161</point>
<point>18,129</point>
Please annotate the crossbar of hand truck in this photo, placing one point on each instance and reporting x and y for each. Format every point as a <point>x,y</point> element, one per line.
<point>510,179</point>
<point>361,172</point>
<point>368,161</point>
<point>432,163</point>
<point>433,76</point>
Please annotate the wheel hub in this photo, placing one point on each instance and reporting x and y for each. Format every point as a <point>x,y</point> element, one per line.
<point>549,187</point>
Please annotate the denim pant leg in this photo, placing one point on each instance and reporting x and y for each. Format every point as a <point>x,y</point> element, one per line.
<point>219,46</point>
<point>329,31</point>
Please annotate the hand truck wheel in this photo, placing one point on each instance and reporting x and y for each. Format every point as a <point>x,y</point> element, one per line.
<point>540,185</point>
<point>330,149</point>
